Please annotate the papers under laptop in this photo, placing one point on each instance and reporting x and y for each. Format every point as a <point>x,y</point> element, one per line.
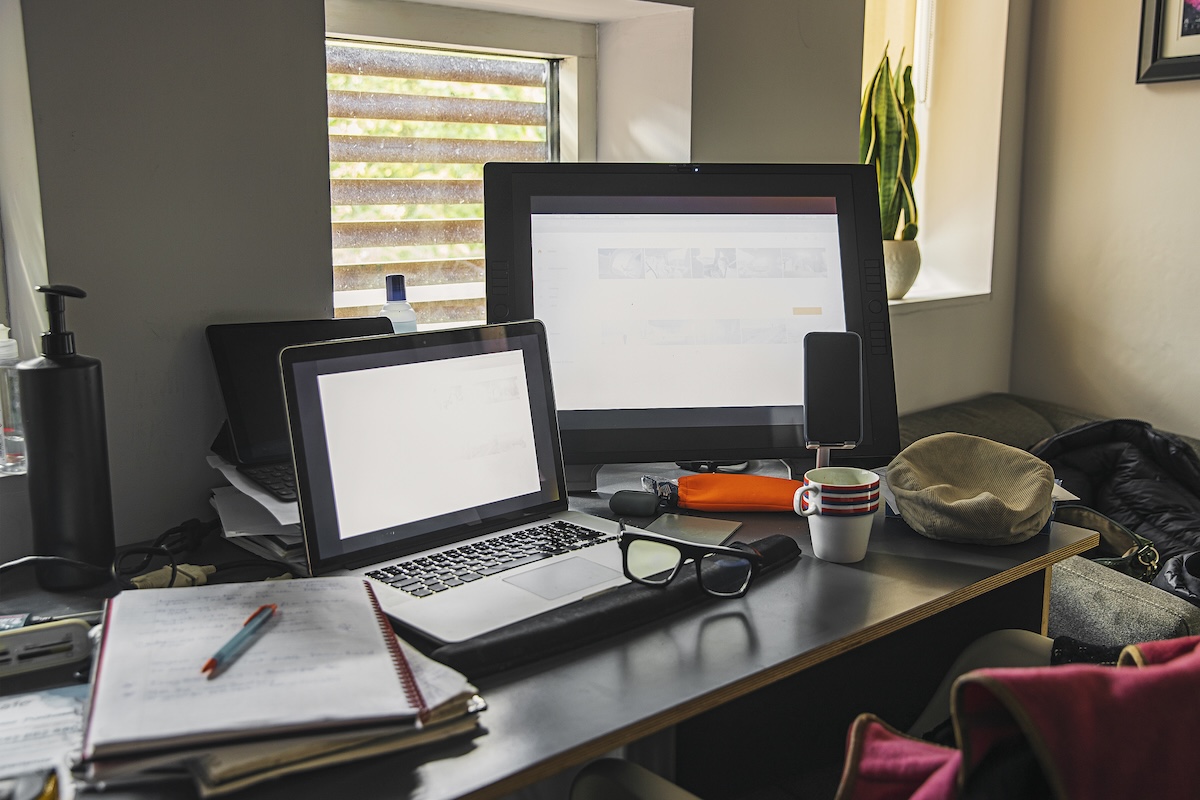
<point>430,463</point>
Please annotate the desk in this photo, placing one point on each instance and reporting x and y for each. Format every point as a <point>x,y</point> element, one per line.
<point>803,651</point>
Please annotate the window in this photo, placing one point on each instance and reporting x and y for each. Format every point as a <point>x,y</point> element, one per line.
<point>409,131</point>
<point>969,76</point>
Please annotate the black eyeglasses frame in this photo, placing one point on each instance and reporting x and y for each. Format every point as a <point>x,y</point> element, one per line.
<point>690,551</point>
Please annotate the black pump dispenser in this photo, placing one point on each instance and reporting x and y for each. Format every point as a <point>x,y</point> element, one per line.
<point>58,341</point>
<point>70,496</point>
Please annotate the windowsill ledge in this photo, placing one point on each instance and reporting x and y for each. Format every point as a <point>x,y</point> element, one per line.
<point>943,285</point>
<point>917,301</point>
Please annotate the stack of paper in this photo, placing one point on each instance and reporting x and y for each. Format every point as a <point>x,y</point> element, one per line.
<point>256,521</point>
<point>326,682</point>
<point>246,523</point>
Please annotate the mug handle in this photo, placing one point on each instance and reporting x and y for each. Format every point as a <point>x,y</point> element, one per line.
<point>810,488</point>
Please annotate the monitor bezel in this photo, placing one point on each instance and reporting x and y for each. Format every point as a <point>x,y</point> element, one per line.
<point>637,437</point>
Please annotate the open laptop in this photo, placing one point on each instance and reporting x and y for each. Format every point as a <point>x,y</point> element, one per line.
<point>430,463</point>
<point>246,356</point>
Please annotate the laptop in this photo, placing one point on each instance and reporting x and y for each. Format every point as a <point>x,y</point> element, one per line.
<point>246,356</point>
<point>430,464</point>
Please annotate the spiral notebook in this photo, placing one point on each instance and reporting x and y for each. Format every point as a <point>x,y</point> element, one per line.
<point>327,662</point>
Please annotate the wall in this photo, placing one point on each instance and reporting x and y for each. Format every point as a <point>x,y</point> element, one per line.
<point>653,124</point>
<point>1109,276</point>
<point>775,80</point>
<point>970,183</point>
<point>182,154</point>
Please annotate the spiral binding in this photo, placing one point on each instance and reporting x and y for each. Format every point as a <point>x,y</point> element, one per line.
<point>411,690</point>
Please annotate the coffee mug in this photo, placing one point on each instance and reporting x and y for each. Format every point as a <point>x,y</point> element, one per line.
<point>840,503</point>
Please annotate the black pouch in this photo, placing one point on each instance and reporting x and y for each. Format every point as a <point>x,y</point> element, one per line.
<point>578,624</point>
<point>1120,548</point>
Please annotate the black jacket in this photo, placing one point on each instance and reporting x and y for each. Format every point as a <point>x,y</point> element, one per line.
<point>1145,479</point>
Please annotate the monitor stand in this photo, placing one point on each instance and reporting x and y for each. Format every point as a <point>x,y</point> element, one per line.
<point>581,478</point>
<point>713,466</point>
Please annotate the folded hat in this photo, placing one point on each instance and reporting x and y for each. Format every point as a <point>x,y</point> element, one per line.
<point>968,489</point>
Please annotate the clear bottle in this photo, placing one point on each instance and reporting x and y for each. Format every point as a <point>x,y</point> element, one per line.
<point>397,309</point>
<point>12,439</point>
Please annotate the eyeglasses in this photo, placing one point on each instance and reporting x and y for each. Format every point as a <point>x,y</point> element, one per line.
<point>654,560</point>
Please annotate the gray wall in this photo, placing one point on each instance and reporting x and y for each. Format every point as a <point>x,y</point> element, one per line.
<point>182,154</point>
<point>183,162</point>
<point>775,80</point>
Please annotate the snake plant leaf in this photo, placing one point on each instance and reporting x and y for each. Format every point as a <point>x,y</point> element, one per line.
<point>866,125</point>
<point>888,140</point>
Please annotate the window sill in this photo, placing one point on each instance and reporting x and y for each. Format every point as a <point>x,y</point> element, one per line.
<point>918,301</point>
<point>942,283</point>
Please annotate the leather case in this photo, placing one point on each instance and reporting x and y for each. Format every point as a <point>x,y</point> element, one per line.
<point>593,619</point>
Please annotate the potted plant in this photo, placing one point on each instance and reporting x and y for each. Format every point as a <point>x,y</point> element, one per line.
<point>887,138</point>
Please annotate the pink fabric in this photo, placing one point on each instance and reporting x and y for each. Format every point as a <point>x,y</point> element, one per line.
<point>884,764</point>
<point>1097,731</point>
<point>1164,650</point>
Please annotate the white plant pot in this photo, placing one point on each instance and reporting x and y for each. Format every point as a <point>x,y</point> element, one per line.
<point>901,263</point>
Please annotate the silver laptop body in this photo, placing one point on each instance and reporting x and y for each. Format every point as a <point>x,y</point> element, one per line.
<point>416,453</point>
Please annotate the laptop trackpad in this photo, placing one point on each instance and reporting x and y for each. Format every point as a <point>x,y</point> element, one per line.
<point>569,575</point>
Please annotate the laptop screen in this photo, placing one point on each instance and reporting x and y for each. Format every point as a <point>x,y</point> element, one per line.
<point>406,442</point>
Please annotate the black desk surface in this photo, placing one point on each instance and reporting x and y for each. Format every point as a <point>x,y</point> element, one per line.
<point>569,709</point>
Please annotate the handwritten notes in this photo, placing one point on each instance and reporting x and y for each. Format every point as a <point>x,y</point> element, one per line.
<point>38,730</point>
<point>324,661</point>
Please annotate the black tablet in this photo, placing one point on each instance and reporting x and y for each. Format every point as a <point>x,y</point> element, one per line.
<point>246,356</point>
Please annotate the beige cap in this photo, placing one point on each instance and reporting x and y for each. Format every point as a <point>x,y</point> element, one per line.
<point>969,489</point>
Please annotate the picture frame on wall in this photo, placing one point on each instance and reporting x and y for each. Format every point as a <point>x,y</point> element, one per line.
<point>1170,44</point>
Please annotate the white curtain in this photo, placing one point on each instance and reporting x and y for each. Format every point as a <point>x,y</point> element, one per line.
<point>23,265</point>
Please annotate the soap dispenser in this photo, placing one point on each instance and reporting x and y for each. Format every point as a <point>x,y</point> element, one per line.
<point>66,448</point>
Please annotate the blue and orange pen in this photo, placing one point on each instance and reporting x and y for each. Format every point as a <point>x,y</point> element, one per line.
<point>250,631</point>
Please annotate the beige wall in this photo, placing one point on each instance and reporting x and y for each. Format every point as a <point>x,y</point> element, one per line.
<point>1109,275</point>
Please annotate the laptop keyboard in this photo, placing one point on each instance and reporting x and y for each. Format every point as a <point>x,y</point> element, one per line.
<point>278,479</point>
<point>426,575</point>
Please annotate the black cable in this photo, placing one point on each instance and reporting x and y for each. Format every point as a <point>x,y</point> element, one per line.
<point>178,541</point>
<point>171,545</point>
<point>124,577</point>
<point>69,562</point>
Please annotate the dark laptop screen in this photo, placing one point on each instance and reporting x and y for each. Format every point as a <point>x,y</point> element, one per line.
<point>405,442</point>
<point>246,356</point>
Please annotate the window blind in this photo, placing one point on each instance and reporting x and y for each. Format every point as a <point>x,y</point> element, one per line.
<point>409,131</point>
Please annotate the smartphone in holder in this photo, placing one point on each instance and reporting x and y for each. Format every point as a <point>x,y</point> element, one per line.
<point>833,390</point>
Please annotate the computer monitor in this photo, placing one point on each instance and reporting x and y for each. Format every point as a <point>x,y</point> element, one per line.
<point>676,298</point>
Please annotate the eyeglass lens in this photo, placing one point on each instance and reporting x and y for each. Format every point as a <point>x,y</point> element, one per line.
<point>724,574</point>
<point>652,562</point>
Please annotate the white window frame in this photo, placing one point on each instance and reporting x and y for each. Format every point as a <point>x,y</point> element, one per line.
<point>401,22</point>
<point>607,110</point>
<point>969,71</point>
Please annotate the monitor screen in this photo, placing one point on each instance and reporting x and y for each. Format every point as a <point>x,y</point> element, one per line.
<point>676,299</point>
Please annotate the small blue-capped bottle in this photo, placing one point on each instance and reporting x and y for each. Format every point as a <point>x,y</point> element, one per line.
<point>397,309</point>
